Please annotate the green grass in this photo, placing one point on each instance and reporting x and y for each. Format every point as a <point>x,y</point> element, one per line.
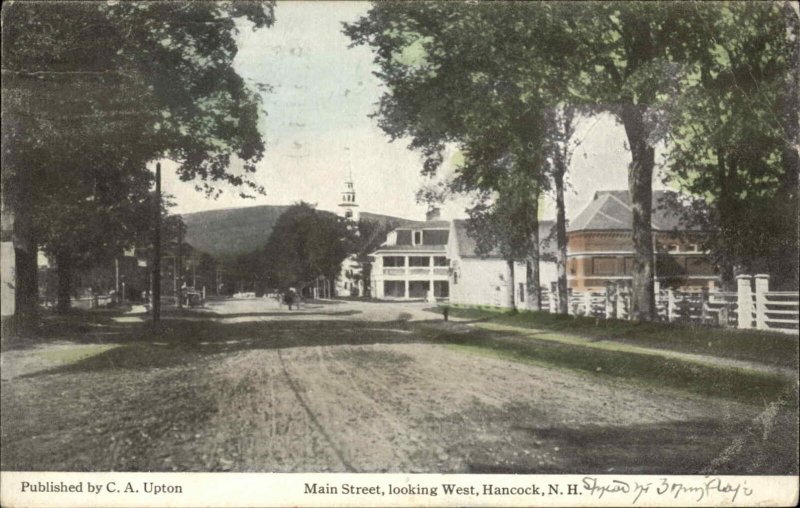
<point>711,380</point>
<point>65,356</point>
<point>770,348</point>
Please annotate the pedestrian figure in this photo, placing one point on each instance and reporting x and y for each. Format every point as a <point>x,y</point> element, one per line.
<point>288,298</point>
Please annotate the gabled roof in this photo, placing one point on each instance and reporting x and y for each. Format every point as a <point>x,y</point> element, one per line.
<point>411,248</point>
<point>611,210</point>
<point>384,219</point>
<point>424,224</point>
<point>467,246</point>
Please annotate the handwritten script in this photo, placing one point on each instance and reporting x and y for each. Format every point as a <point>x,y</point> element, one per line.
<point>692,490</point>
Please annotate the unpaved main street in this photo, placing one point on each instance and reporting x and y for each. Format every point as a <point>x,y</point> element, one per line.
<point>339,387</point>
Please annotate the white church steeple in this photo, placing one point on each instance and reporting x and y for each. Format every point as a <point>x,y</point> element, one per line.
<point>348,207</point>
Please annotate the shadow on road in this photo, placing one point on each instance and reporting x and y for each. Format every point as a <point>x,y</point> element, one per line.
<point>677,447</point>
<point>180,342</point>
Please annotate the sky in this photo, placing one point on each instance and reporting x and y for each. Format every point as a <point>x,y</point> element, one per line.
<point>318,131</point>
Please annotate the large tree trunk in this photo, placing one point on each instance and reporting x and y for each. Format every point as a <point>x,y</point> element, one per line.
<point>726,222</point>
<point>561,237</point>
<point>788,276</point>
<point>511,289</point>
<point>64,271</point>
<point>640,186</point>
<point>532,264</point>
<point>26,270</point>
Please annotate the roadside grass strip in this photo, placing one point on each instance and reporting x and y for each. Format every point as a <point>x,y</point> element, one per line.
<point>73,353</point>
<point>611,345</point>
<point>657,370</point>
<point>769,348</point>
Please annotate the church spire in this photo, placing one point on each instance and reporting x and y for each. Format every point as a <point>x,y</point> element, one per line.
<point>348,206</point>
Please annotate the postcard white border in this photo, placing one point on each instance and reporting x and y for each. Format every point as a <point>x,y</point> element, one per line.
<point>68,490</point>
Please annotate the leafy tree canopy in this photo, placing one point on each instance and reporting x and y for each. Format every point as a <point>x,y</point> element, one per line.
<point>305,244</point>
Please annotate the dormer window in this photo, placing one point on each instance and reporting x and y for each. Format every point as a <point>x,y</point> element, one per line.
<point>417,238</point>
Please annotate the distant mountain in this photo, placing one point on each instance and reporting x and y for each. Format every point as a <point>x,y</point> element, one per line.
<point>233,231</point>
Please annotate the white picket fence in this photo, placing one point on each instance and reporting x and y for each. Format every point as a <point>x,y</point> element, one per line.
<point>752,306</point>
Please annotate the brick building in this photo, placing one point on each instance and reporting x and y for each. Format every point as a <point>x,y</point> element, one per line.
<point>600,245</point>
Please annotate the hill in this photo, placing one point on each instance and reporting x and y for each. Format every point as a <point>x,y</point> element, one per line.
<point>232,231</point>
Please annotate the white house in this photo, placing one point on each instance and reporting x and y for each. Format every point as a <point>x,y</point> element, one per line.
<point>412,263</point>
<point>484,280</point>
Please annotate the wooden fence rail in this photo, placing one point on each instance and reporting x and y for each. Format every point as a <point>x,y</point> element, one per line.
<point>751,306</point>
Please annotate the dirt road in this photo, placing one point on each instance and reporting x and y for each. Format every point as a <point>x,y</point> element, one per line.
<point>342,388</point>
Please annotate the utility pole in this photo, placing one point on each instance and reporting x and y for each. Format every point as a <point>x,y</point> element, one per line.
<point>179,294</point>
<point>116,274</point>
<point>157,249</point>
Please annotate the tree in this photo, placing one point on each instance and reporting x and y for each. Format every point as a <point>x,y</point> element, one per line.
<point>135,80</point>
<point>624,56</point>
<point>305,244</point>
<point>498,223</point>
<point>561,131</point>
<point>455,75</point>
<point>731,141</point>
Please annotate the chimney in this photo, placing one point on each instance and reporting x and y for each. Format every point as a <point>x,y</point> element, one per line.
<point>433,213</point>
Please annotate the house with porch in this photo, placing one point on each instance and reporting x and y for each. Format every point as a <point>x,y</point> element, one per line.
<point>412,263</point>
<point>600,245</point>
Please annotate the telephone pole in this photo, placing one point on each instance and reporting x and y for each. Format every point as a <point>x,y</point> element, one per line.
<point>179,293</point>
<point>157,249</point>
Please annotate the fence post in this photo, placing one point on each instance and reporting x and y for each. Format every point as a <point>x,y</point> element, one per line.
<point>744,302</point>
<point>704,307</point>
<point>570,308</point>
<point>670,305</point>
<point>657,295</point>
<point>762,287</point>
<point>553,297</point>
<point>587,303</point>
<point>619,301</point>
<point>609,302</point>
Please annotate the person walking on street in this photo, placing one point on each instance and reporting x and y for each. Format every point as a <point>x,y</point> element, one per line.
<point>288,298</point>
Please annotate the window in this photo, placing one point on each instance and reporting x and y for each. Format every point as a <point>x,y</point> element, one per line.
<point>403,237</point>
<point>628,266</point>
<point>418,288</point>
<point>435,237</point>
<point>419,261</point>
<point>417,237</point>
<point>673,247</point>
<point>699,266</point>
<point>440,261</point>
<point>389,261</point>
<point>521,292</point>
<point>394,288</point>
<point>604,266</point>
<point>670,266</point>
